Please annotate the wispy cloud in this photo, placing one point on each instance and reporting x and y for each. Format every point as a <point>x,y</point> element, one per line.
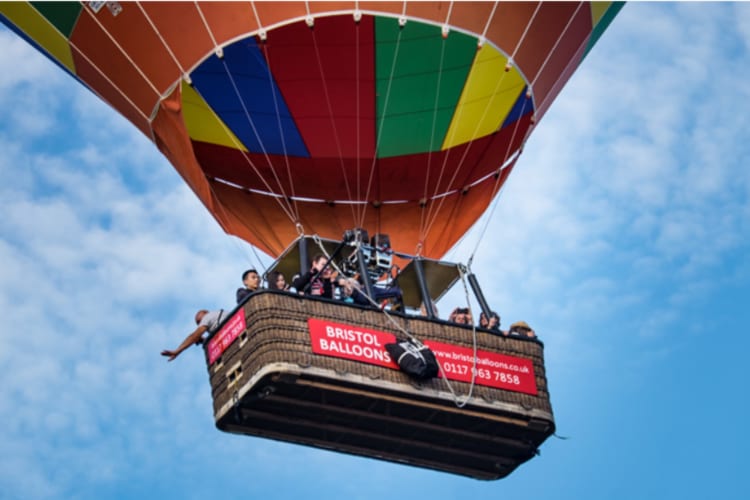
<point>636,173</point>
<point>628,210</point>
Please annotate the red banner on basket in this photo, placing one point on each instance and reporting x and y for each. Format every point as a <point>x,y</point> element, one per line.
<point>368,346</point>
<point>230,331</point>
<point>492,369</point>
<point>350,342</point>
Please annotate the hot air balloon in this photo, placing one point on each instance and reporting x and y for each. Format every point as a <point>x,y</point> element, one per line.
<point>297,122</point>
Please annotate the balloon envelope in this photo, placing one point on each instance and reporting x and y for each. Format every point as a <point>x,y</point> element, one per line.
<point>402,118</point>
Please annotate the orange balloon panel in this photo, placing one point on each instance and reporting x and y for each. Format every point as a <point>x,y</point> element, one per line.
<point>263,219</point>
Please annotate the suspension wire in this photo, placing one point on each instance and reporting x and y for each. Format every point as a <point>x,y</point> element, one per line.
<point>358,130</point>
<point>433,214</point>
<point>163,41</point>
<point>262,35</point>
<point>261,31</point>
<point>208,28</point>
<point>432,136</point>
<point>124,53</point>
<point>446,24</point>
<point>293,206</point>
<point>288,209</point>
<point>412,338</point>
<point>382,123</point>
<point>111,83</point>
<point>571,62</point>
<point>228,211</point>
<point>462,273</point>
<point>257,257</point>
<point>177,63</point>
<point>496,193</point>
<point>557,42</point>
<point>526,30</point>
<point>336,137</point>
<point>489,20</point>
<point>495,197</point>
<point>515,129</point>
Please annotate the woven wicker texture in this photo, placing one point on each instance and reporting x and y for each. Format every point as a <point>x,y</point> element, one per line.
<point>277,331</point>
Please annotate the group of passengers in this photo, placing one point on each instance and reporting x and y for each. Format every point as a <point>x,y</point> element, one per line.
<point>321,281</point>
<point>462,316</point>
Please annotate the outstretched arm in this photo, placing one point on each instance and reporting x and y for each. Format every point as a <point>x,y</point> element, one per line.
<point>189,340</point>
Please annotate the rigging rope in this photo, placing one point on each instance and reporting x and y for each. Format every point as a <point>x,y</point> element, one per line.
<point>432,139</point>
<point>102,74</point>
<point>336,138</point>
<point>281,135</point>
<point>123,52</point>
<point>163,42</point>
<point>497,188</point>
<point>382,123</point>
<point>208,28</point>
<point>515,130</point>
<point>433,214</point>
<point>415,340</point>
<point>288,209</point>
<point>557,42</point>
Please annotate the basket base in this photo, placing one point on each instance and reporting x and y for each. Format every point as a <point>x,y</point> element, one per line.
<point>331,412</point>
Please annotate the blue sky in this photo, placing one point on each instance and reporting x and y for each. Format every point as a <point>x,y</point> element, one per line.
<point>622,237</point>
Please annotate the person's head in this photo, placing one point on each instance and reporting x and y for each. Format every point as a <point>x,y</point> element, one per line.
<point>453,314</point>
<point>251,279</point>
<point>199,316</point>
<point>492,322</point>
<point>461,316</point>
<point>318,261</point>
<point>522,328</point>
<point>276,280</point>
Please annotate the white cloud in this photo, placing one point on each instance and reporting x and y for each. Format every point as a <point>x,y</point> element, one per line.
<point>632,195</point>
<point>628,207</point>
<point>106,255</point>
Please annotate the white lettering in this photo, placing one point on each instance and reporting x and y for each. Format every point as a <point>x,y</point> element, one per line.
<point>355,350</point>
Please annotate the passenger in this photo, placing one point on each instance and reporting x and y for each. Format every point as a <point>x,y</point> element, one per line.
<point>521,329</point>
<point>351,291</point>
<point>322,286</point>
<point>277,281</point>
<point>461,316</point>
<point>207,321</point>
<point>251,279</point>
<point>492,324</point>
<point>453,315</point>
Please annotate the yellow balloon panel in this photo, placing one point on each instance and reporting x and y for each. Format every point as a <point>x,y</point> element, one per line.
<point>202,123</point>
<point>597,11</point>
<point>487,98</point>
<point>39,29</point>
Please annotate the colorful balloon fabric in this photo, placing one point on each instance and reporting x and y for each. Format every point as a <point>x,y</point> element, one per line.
<point>317,117</point>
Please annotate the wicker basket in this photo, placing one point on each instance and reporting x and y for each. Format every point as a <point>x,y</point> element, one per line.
<point>268,382</point>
